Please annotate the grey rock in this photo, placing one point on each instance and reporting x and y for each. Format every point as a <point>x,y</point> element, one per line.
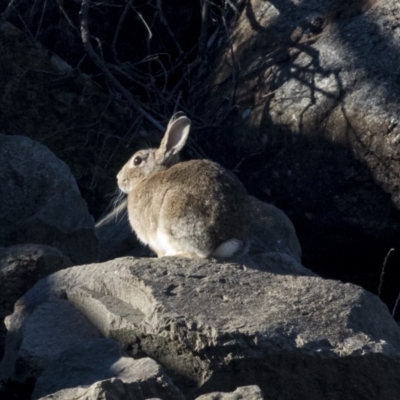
<point>84,371</point>
<point>242,393</point>
<point>40,334</point>
<point>216,326</point>
<point>40,201</point>
<point>21,267</point>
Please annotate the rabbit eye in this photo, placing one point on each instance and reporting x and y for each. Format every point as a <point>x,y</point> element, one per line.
<point>137,160</point>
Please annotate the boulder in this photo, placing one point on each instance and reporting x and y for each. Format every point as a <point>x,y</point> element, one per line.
<point>264,321</point>
<point>85,371</point>
<point>21,267</point>
<point>40,201</point>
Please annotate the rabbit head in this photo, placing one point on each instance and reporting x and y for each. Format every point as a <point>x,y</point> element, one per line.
<point>145,162</point>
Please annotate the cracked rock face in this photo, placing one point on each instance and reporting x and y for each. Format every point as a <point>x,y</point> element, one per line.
<point>215,326</point>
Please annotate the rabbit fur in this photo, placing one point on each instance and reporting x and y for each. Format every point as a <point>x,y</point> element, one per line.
<point>190,209</point>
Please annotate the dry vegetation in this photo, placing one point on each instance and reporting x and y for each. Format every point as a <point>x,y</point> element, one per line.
<point>152,54</point>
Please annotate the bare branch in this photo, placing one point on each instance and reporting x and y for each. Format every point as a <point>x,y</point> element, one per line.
<point>145,24</point>
<point>164,21</point>
<point>234,64</point>
<point>66,15</point>
<point>232,6</point>
<point>41,19</point>
<point>6,13</point>
<point>119,27</point>
<point>205,18</point>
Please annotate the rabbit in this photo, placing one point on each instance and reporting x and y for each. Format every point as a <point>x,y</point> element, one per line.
<point>193,209</point>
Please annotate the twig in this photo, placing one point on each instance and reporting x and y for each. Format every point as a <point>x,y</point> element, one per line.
<point>383,272</point>
<point>157,60</point>
<point>143,20</point>
<point>6,13</point>
<point>41,19</point>
<point>119,27</point>
<point>232,6</point>
<point>186,73</point>
<point>122,72</point>
<point>145,24</point>
<point>66,15</point>
<point>164,21</point>
<point>25,25</point>
<point>395,305</point>
<point>202,43</point>
<point>236,167</point>
<point>177,102</point>
<point>234,63</point>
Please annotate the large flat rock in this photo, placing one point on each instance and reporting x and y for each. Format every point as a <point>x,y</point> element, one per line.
<point>216,326</point>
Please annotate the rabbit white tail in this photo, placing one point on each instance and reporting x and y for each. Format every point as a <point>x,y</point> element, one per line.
<point>228,249</point>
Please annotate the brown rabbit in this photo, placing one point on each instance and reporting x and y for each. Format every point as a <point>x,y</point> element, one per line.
<point>189,209</point>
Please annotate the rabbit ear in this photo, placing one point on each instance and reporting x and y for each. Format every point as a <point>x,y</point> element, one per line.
<point>177,115</point>
<point>175,137</point>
